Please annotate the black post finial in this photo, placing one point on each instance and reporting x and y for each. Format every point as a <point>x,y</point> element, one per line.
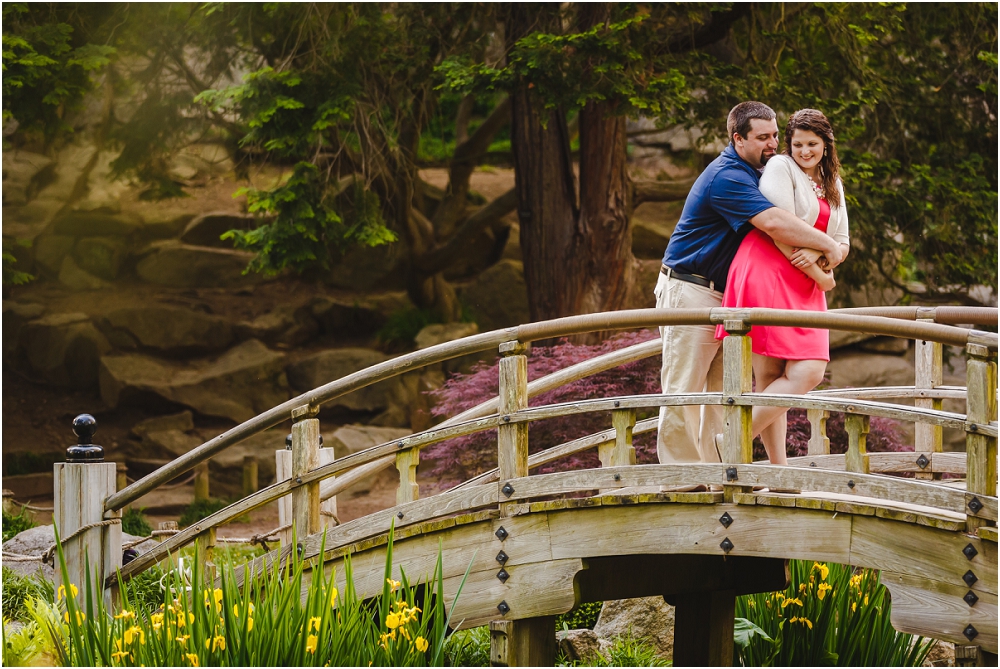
<point>85,450</point>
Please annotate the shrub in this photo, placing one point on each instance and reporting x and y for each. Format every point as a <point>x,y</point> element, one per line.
<point>463,457</point>
<point>829,615</point>
<point>135,523</point>
<point>469,648</point>
<point>583,616</point>
<point>203,508</point>
<point>402,327</point>
<point>14,525</point>
<point>625,651</point>
<point>17,590</point>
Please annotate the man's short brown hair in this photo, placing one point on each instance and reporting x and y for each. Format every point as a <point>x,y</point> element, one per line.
<point>742,114</point>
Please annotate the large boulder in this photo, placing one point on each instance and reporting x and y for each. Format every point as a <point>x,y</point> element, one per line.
<point>183,421</point>
<point>287,325</point>
<point>343,319</point>
<point>351,439</point>
<point>652,225</point>
<point>169,444</point>
<point>861,370</point>
<point>37,540</point>
<point>15,316</point>
<point>239,384</point>
<point>205,230</point>
<point>498,298</point>
<point>96,223</point>
<point>100,256</point>
<point>168,329</point>
<point>648,618</point>
<point>369,267</point>
<point>50,251</point>
<point>61,349</point>
<point>75,278</point>
<point>326,366</point>
<point>578,645</point>
<point>172,263</point>
<point>439,333</point>
<point>21,171</point>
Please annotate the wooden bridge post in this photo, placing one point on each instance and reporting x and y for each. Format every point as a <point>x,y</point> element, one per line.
<point>981,450</point>
<point>928,358</point>
<point>406,464</point>
<point>856,459</point>
<point>737,380</point>
<point>81,484</point>
<point>305,456</point>
<point>523,643</point>
<point>623,452</point>
<point>204,551</point>
<point>512,438</point>
<point>819,443</point>
<point>201,481</point>
<point>250,479</point>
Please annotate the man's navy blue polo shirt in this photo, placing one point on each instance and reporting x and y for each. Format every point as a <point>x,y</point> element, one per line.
<point>716,218</point>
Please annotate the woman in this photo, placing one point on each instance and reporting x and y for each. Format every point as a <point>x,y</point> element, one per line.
<point>806,182</point>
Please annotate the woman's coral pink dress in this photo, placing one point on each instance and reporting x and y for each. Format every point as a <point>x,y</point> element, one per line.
<point>761,276</point>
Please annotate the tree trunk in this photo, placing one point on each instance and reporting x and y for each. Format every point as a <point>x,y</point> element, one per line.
<point>577,257</point>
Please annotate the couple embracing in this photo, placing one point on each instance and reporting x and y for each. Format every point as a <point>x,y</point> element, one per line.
<point>759,229</point>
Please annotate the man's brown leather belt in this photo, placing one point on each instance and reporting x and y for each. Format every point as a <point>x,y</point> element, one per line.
<point>689,278</point>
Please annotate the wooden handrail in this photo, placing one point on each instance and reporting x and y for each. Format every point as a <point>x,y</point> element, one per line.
<point>379,455</point>
<point>891,326</point>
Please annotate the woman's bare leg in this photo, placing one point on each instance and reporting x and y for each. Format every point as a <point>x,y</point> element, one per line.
<point>800,377</point>
<point>766,371</point>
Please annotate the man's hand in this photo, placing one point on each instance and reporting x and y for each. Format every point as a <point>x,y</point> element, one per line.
<point>834,256</point>
<point>802,258</point>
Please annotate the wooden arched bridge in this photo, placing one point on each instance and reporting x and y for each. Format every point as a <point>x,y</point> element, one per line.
<point>540,544</point>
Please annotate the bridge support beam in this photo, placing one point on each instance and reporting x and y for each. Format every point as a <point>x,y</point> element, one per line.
<point>530,642</point>
<point>703,629</point>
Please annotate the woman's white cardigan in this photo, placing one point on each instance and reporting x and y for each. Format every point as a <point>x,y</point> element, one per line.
<point>788,187</point>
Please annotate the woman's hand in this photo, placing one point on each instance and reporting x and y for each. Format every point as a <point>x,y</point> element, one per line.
<point>824,280</point>
<point>803,257</point>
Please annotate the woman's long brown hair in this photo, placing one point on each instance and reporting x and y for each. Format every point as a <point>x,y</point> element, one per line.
<point>815,121</point>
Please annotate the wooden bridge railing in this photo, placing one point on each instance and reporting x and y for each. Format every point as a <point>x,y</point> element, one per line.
<point>308,487</point>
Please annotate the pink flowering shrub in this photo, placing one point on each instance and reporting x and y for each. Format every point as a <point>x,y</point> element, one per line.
<point>463,457</point>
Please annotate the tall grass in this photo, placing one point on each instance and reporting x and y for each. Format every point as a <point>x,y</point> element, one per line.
<point>830,615</point>
<point>290,615</point>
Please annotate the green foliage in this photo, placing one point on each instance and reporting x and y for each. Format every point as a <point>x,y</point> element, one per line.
<point>17,590</point>
<point>583,616</point>
<point>606,63</point>
<point>275,619</point>
<point>14,525</point>
<point>306,225</point>
<point>199,509</point>
<point>29,462</point>
<point>828,616</point>
<point>12,276</point>
<point>33,644</point>
<point>469,648</point>
<point>44,75</point>
<point>134,522</point>
<point>625,651</point>
<point>145,592</point>
<point>402,326</point>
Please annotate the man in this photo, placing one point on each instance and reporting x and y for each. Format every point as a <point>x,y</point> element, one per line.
<point>722,205</point>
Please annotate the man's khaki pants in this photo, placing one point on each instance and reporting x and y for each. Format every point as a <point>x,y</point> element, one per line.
<point>692,363</point>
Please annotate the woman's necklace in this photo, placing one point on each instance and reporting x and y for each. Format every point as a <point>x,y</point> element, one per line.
<point>818,189</point>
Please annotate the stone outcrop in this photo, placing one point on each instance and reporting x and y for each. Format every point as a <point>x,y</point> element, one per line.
<point>15,316</point>
<point>206,230</point>
<point>498,298</point>
<point>75,278</point>
<point>60,349</point>
<point>172,263</point>
<point>166,329</point>
<point>578,645</point>
<point>861,370</point>
<point>349,319</point>
<point>326,366</point>
<point>648,618</point>
<point>288,325</point>
<point>101,256</point>
<point>183,421</point>
<point>351,439</point>
<point>239,384</point>
<point>21,172</point>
